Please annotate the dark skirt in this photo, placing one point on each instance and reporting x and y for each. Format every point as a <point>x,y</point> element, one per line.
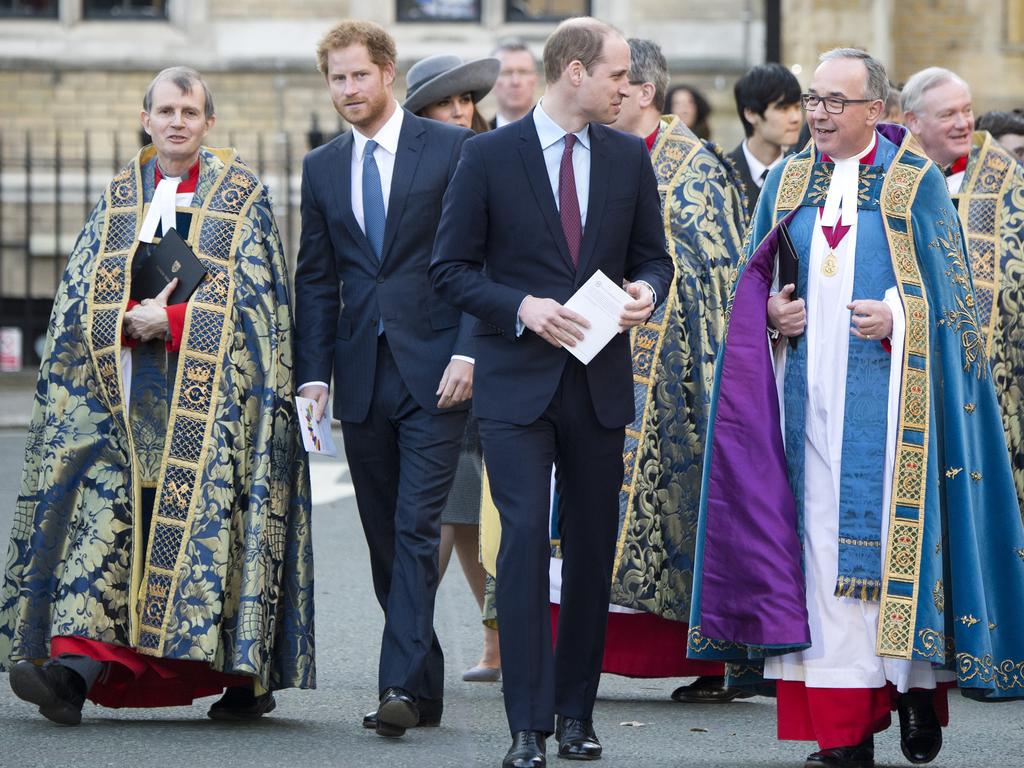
<point>463,507</point>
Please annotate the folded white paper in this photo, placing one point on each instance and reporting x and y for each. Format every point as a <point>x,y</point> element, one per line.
<point>600,301</point>
<point>316,435</point>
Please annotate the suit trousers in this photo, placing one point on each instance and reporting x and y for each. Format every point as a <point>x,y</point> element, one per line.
<point>588,467</point>
<point>402,460</point>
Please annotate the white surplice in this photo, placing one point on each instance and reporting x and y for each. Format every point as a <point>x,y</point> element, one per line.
<point>843,629</point>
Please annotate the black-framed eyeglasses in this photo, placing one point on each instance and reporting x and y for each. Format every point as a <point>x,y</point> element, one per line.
<point>834,105</point>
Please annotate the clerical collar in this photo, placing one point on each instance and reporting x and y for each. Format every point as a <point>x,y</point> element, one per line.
<point>186,183</point>
<point>169,194</point>
<point>841,199</point>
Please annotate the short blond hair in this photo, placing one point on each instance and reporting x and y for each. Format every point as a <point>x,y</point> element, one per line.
<point>379,44</point>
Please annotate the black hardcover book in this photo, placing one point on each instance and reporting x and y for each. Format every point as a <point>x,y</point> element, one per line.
<point>170,258</point>
<point>789,264</point>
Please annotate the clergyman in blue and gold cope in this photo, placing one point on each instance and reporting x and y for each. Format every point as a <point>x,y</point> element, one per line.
<point>940,564</point>
<point>987,185</point>
<point>162,530</point>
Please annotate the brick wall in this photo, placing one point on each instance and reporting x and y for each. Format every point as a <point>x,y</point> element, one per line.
<point>967,36</point>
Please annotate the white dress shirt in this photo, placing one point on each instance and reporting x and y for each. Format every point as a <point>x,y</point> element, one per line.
<point>757,168</point>
<point>384,155</point>
<point>552,143</point>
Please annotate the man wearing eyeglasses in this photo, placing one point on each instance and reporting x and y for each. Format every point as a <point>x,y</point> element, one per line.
<point>517,83</point>
<point>987,185</point>
<point>856,483</point>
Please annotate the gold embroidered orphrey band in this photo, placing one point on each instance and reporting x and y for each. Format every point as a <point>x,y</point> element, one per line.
<point>902,562</point>
<point>214,233</point>
<point>671,156</point>
<point>981,209</point>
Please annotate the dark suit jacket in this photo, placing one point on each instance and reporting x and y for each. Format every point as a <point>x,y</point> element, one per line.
<point>341,289</point>
<point>501,239</point>
<point>750,189</point>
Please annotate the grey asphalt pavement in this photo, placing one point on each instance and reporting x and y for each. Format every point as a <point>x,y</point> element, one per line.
<point>318,728</point>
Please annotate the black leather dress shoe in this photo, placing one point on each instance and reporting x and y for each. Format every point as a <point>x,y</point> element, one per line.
<point>527,751</point>
<point>240,703</point>
<point>576,739</point>
<point>860,756</point>
<point>920,732</point>
<point>708,689</point>
<point>59,692</point>
<point>430,714</point>
<point>396,712</point>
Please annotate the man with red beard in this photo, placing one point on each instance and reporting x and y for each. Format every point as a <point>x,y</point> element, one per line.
<point>987,185</point>
<point>367,315</point>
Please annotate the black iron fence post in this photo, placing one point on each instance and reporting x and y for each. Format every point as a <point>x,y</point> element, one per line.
<point>34,225</point>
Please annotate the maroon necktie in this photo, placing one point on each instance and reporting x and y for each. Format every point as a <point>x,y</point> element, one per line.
<point>568,203</point>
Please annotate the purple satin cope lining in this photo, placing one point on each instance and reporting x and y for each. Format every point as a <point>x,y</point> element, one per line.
<point>752,586</point>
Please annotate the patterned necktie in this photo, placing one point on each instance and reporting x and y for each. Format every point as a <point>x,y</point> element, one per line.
<point>373,201</point>
<point>569,203</point>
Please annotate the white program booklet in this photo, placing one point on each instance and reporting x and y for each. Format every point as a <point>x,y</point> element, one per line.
<point>601,301</point>
<point>316,435</point>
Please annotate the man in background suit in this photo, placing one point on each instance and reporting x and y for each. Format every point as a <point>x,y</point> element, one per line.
<point>768,103</point>
<point>371,200</point>
<point>534,210</point>
<point>517,81</point>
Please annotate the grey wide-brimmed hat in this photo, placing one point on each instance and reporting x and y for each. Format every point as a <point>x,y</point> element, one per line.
<point>438,77</point>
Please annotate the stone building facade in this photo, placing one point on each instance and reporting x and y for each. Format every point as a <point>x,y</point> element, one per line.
<point>72,73</point>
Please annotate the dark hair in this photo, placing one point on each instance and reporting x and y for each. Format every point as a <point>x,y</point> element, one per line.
<point>1001,123</point>
<point>478,124</point>
<point>580,39</point>
<point>700,126</point>
<point>761,87</point>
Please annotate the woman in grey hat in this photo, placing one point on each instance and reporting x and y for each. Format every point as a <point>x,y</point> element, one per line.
<point>445,88</point>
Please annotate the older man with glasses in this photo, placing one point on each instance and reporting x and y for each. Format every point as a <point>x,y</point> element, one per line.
<point>850,499</point>
<point>516,87</point>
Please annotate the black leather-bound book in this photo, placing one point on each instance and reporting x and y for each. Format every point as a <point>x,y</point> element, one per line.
<point>170,258</point>
<point>789,265</point>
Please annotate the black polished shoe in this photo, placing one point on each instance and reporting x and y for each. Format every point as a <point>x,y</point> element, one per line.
<point>920,732</point>
<point>708,689</point>
<point>860,756</point>
<point>396,712</point>
<point>59,692</point>
<point>527,751</point>
<point>240,703</point>
<point>430,714</point>
<point>576,739</point>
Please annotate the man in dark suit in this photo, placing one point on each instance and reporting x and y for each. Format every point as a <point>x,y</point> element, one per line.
<point>371,200</point>
<point>534,210</point>
<point>768,103</point>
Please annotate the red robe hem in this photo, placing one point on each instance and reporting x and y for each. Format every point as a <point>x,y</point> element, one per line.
<point>841,717</point>
<point>648,646</point>
<point>134,680</point>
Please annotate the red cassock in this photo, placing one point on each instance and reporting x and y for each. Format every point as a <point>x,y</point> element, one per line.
<point>134,680</point>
